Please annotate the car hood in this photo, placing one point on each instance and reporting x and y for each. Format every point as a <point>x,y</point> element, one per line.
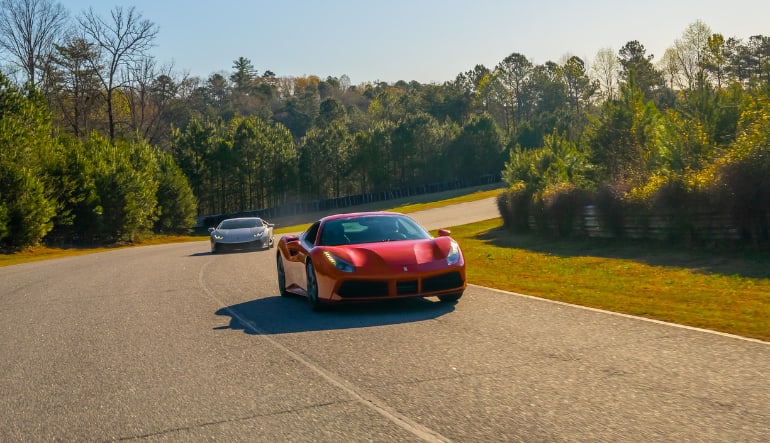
<point>240,233</point>
<point>395,254</point>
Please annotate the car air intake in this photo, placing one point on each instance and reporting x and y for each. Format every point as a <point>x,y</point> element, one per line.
<point>442,282</point>
<point>363,288</point>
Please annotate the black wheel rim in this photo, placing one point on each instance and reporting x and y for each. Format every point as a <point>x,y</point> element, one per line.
<point>281,276</point>
<point>312,286</point>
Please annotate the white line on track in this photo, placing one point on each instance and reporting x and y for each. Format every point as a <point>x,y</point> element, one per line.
<point>620,314</point>
<point>359,395</point>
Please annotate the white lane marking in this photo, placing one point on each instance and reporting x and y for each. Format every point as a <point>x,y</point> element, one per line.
<point>366,399</point>
<point>620,314</point>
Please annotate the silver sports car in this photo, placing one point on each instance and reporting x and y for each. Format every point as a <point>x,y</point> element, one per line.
<point>241,233</point>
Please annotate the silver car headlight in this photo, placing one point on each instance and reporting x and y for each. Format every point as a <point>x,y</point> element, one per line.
<point>339,263</point>
<point>218,236</point>
<point>454,253</point>
<point>259,234</point>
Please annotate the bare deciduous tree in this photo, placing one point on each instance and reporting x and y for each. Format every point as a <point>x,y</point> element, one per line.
<point>605,68</point>
<point>28,31</point>
<point>691,52</point>
<point>123,40</point>
<point>152,91</point>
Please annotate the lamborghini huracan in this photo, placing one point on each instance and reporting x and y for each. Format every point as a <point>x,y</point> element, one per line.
<point>369,256</point>
<point>242,233</point>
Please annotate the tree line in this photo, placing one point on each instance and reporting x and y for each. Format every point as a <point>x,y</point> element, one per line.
<point>245,139</point>
<point>674,142</point>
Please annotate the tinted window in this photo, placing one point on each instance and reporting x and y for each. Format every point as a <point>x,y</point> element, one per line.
<point>311,233</point>
<point>333,234</point>
<point>240,223</point>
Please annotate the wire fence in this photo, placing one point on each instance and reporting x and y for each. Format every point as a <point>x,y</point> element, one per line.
<point>331,204</point>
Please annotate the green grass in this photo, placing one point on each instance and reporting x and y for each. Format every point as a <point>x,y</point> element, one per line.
<point>39,253</point>
<point>407,207</point>
<point>721,291</point>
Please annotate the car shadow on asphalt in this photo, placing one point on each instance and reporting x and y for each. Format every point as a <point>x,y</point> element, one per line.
<point>285,315</point>
<point>233,252</point>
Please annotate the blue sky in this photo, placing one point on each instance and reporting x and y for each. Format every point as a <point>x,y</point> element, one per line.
<point>423,40</point>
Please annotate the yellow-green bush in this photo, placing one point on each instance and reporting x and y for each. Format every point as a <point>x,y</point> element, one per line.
<point>514,205</point>
<point>560,208</point>
<point>742,176</point>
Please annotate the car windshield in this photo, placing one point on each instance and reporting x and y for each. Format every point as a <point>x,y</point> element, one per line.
<point>369,229</point>
<point>240,223</point>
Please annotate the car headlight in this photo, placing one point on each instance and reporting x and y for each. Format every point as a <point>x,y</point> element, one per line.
<point>339,263</point>
<point>454,253</point>
<point>258,234</point>
<point>218,236</point>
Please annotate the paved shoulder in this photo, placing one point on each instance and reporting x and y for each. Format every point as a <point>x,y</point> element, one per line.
<point>459,214</point>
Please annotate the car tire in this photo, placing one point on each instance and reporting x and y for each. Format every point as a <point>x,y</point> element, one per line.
<point>214,248</point>
<point>281,276</point>
<point>450,298</point>
<point>312,288</point>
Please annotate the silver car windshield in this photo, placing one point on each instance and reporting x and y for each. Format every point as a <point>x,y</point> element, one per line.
<point>241,223</point>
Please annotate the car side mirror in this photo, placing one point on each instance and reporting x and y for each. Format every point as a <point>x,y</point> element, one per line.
<point>271,225</point>
<point>444,232</point>
<point>292,244</point>
<point>212,229</point>
<point>291,238</point>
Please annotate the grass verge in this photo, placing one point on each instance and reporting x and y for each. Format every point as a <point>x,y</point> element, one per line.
<point>39,253</point>
<point>727,292</point>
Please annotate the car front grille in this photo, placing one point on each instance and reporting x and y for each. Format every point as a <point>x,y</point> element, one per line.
<point>407,287</point>
<point>226,247</point>
<point>380,288</point>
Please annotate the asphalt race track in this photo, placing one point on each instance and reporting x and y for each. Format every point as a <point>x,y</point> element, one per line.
<point>172,343</point>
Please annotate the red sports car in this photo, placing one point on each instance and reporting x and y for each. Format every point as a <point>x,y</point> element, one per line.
<point>369,256</point>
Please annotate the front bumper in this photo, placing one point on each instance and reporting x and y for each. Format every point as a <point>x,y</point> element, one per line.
<point>262,243</point>
<point>370,288</point>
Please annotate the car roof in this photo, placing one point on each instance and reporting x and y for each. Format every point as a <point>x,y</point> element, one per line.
<point>243,218</point>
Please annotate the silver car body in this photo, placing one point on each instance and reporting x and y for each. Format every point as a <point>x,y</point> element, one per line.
<point>242,233</point>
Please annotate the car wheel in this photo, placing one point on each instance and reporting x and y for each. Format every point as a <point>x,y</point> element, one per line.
<point>450,298</point>
<point>281,276</point>
<point>312,288</point>
<point>214,248</point>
